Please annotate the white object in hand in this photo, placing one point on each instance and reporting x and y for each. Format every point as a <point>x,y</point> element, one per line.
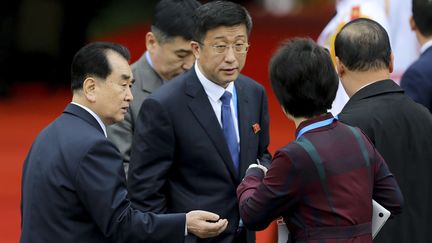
<point>262,167</point>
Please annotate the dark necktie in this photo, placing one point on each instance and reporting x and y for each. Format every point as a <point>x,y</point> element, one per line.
<point>229,129</point>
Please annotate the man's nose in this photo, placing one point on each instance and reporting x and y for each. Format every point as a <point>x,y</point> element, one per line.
<point>230,55</point>
<point>129,96</point>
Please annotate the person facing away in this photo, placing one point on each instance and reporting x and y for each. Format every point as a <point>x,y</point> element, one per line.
<point>417,80</point>
<point>399,128</point>
<point>168,54</point>
<point>324,182</point>
<point>196,135</point>
<point>73,183</point>
<point>393,15</point>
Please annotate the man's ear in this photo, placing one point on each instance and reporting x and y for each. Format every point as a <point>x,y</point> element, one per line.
<point>340,68</point>
<point>89,89</point>
<point>151,42</point>
<point>391,64</point>
<point>412,24</point>
<point>196,49</point>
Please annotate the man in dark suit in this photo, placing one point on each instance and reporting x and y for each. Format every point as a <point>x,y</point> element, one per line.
<point>417,80</point>
<point>190,149</point>
<point>400,128</point>
<point>168,54</point>
<point>73,186</point>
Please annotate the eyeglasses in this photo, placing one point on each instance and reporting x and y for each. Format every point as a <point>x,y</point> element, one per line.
<point>240,48</point>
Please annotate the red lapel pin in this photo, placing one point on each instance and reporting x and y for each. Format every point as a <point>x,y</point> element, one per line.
<point>256,128</point>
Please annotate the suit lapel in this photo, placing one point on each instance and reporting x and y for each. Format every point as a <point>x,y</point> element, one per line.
<point>243,120</point>
<point>204,113</point>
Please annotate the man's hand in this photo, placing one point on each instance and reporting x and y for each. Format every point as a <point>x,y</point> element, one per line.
<point>205,224</point>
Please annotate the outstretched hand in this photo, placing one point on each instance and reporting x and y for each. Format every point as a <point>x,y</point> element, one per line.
<point>205,224</point>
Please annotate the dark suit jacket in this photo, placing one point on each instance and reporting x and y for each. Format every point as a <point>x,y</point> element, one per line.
<point>73,189</point>
<point>417,80</point>
<point>334,190</point>
<point>402,132</point>
<point>180,160</point>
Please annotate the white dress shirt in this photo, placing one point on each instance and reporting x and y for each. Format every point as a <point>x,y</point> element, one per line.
<point>214,93</point>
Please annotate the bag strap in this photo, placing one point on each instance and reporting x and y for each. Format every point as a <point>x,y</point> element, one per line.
<point>316,158</point>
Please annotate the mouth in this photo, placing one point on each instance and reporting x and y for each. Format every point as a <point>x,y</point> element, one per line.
<point>125,109</point>
<point>229,71</point>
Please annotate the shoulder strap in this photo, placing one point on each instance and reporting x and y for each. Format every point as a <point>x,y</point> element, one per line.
<point>310,149</point>
<point>316,158</point>
<point>314,155</point>
<point>365,153</point>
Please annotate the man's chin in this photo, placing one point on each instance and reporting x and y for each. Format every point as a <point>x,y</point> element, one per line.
<point>118,119</point>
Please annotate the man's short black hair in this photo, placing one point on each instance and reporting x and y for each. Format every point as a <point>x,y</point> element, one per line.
<point>363,45</point>
<point>219,13</point>
<point>91,60</point>
<point>422,14</point>
<point>303,78</point>
<point>174,18</point>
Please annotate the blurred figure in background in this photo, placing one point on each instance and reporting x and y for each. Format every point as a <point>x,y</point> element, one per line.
<point>400,128</point>
<point>168,54</point>
<point>417,80</point>
<point>279,7</point>
<point>393,15</point>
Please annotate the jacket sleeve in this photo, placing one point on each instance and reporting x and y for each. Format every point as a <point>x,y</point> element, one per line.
<point>151,158</point>
<point>264,155</point>
<point>386,190</point>
<point>263,199</point>
<point>414,83</point>
<point>102,190</point>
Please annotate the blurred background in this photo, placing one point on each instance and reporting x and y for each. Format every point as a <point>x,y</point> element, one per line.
<point>38,39</point>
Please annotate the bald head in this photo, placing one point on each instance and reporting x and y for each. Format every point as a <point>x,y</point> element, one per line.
<point>363,45</point>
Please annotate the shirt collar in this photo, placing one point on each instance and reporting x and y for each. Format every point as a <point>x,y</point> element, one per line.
<point>213,90</point>
<point>425,46</point>
<point>150,62</point>
<point>148,58</point>
<point>95,116</point>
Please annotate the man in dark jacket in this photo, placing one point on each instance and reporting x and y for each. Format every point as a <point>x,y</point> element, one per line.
<point>73,186</point>
<point>400,128</point>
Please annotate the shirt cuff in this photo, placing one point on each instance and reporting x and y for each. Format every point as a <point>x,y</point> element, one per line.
<point>255,170</point>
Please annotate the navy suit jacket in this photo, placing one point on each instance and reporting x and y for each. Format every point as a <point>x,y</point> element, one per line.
<point>401,131</point>
<point>180,160</point>
<point>73,189</point>
<point>417,80</point>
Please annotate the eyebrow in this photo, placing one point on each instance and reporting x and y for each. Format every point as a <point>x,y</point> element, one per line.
<point>183,51</point>
<point>224,37</point>
<point>125,76</point>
